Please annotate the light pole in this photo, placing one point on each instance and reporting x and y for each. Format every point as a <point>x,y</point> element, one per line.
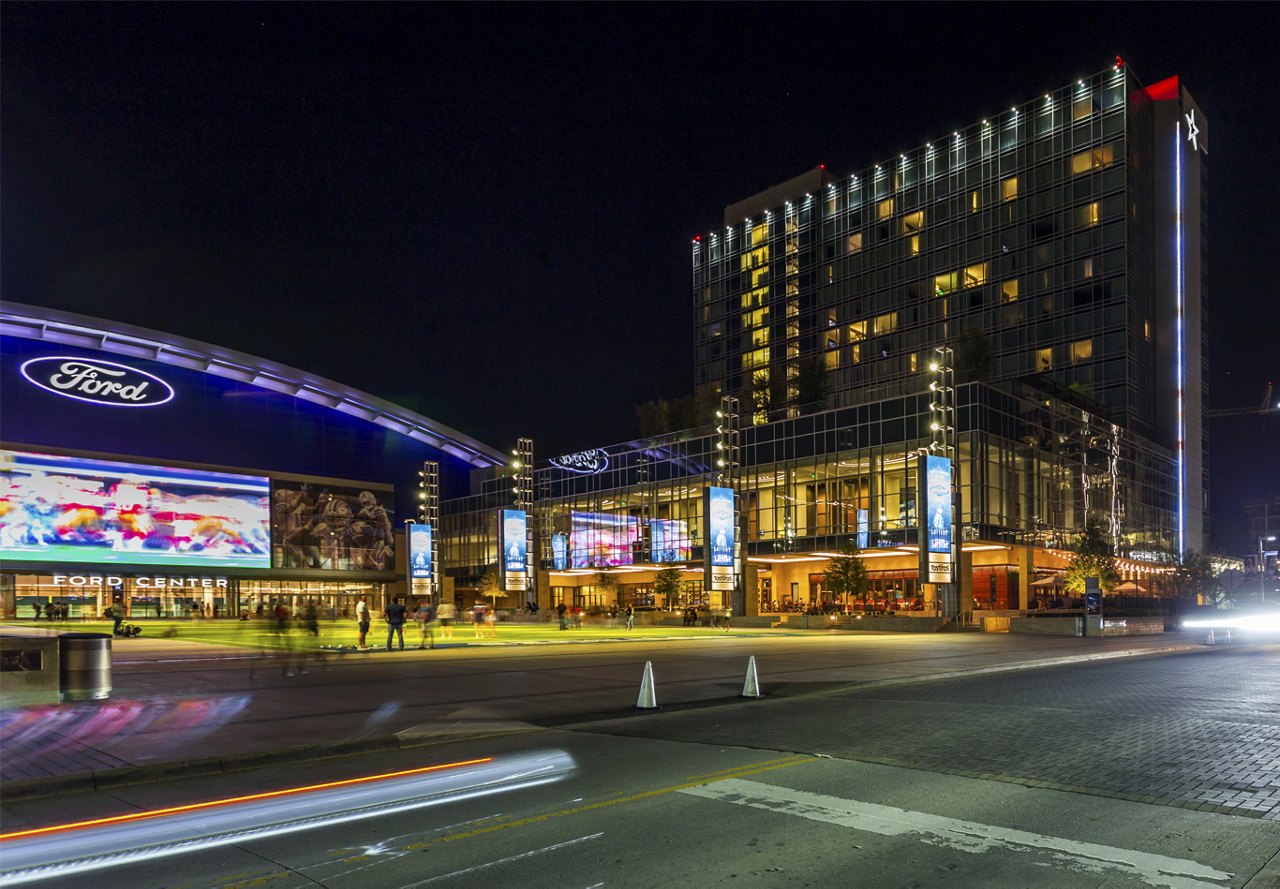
<point>1262,568</point>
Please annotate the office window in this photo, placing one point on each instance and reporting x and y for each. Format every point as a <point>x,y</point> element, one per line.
<point>885,323</point>
<point>944,284</point>
<point>854,244</point>
<point>884,209</point>
<point>1081,350</point>
<point>973,202</point>
<point>914,245</point>
<point>857,331</point>
<point>975,275</point>
<point>1009,188</point>
<point>1009,291</point>
<point>832,359</point>
<point>1146,329</point>
<point>1086,267</point>
<point>1088,214</point>
<point>913,362</point>
<point>831,317</point>
<point>912,222</point>
<point>1081,108</point>
<point>855,353</point>
<point>1044,359</point>
<point>1093,159</point>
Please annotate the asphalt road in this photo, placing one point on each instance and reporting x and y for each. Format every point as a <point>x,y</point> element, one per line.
<point>1138,772</point>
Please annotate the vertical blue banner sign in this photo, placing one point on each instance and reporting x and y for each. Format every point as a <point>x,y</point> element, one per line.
<point>515,549</point>
<point>420,566</point>
<point>720,538</point>
<point>864,529</point>
<point>938,498</point>
<point>559,551</point>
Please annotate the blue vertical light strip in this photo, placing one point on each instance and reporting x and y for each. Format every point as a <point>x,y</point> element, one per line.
<point>1182,429</point>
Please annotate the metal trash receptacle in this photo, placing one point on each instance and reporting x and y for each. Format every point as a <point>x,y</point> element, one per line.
<point>84,666</point>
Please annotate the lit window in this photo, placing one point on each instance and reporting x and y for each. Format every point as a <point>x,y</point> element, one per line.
<point>855,242</point>
<point>915,245</point>
<point>1081,350</point>
<point>831,317</point>
<point>884,209</point>
<point>1009,291</point>
<point>913,362</point>
<point>975,275</point>
<point>857,331</point>
<point>885,323</point>
<point>973,202</point>
<point>832,359</point>
<point>1089,214</point>
<point>913,222</point>
<point>1009,188</point>
<point>1146,329</point>
<point>833,341</point>
<point>1044,359</point>
<point>1081,108</point>
<point>855,353</point>
<point>1095,158</point>
<point>758,358</point>
<point>944,284</point>
<point>1086,267</point>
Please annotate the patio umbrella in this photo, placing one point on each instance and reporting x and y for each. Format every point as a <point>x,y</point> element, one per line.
<point>1047,581</point>
<point>1129,586</point>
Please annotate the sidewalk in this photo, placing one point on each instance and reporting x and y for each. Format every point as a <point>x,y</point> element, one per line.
<point>181,708</point>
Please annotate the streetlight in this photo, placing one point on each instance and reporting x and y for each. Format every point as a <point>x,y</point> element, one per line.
<point>1262,568</point>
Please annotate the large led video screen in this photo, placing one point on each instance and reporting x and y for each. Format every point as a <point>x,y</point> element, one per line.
<point>602,540</point>
<point>669,541</point>
<point>333,528</point>
<point>74,509</point>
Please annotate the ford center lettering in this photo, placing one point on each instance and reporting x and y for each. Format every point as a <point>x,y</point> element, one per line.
<point>97,381</point>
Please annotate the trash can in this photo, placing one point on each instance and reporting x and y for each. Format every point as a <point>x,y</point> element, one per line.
<point>84,666</point>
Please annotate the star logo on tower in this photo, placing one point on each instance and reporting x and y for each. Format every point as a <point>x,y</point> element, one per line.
<point>1192,130</point>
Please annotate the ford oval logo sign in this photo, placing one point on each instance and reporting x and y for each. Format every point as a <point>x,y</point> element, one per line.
<point>97,381</point>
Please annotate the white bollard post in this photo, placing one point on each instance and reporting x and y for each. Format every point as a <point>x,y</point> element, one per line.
<point>648,698</point>
<point>751,687</point>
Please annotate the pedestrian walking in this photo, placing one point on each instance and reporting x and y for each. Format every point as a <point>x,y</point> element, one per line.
<point>362,622</point>
<point>631,616</point>
<point>562,611</point>
<point>448,613</point>
<point>426,618</point>
<point>477,618</point>
<point>491,622</point>
<point>395,614</point>
<point>728,613</point>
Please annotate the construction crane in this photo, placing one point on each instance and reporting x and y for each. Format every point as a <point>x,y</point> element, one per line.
<point>1264,408</point>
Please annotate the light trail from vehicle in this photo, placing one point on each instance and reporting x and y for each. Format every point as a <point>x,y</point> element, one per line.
<point>64,849</point>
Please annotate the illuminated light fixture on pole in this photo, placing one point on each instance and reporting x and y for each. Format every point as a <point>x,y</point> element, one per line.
<point>1262,568</point>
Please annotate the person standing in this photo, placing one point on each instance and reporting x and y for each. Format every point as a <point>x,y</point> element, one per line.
<point>362,622</point>
<point>631,616</point>
<point>561,610</point>
<point>38,608</point>
<point>395,614</point>
<point>728,613</point>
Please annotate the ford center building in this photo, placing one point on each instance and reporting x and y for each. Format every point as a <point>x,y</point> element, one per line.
<point>180,477</point>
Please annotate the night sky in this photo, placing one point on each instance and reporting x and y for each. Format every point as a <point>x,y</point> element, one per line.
<point>484,212</point>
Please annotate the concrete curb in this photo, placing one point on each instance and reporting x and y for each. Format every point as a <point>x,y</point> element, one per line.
<point>104,779</point>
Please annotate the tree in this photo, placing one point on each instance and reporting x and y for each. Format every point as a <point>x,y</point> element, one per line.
<point>489,585</point>
<point>846,575</point>
<point>607,585</point>
<point>1093,559</point>
<point>1188,576</point>
<point>812,384</point>
<point>668,585</point>
<point>761,393</point>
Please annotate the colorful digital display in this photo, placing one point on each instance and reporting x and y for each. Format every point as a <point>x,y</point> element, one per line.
<point>420,564</point>
<point>515,549</point>
<point>331,527</point>
<point>720,530</point>
<point>559,551</point>
<point>602,539</point>
<point>864,529</point>
<point>938,503</point>
<point>669,541</point>
<point>74,509</point>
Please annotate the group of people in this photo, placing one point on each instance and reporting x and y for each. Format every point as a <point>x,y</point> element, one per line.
<point>431,619</point>
<point>53,611</point>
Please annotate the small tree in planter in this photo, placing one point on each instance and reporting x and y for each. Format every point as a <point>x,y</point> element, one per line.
<point>668,585</point>
<point>846,575</point>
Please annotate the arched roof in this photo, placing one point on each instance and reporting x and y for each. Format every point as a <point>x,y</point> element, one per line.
<point>51,325</point>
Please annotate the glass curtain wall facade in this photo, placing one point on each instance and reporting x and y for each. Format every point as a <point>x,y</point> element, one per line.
<point>1030,242</point>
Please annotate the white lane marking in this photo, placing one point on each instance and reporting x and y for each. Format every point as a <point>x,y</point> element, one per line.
<point>963,836</point>
<point>507,860</point>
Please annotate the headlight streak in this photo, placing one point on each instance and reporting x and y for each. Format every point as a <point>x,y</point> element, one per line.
<point>1266,623</point>
<point>90,845</point>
